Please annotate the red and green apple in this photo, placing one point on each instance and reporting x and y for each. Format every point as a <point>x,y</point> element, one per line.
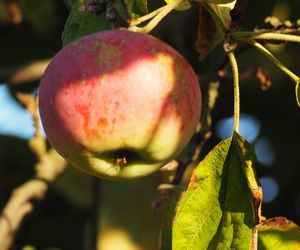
<point>119,104</point>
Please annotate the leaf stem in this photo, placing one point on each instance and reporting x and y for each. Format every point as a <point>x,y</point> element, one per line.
<point>162,12</point>
<point>144,18</point>
<point>268,54</point>
<point>235,73</point>
<point>266,36</point>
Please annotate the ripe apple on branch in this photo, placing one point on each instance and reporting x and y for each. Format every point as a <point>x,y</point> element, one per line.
<point>119,104</point>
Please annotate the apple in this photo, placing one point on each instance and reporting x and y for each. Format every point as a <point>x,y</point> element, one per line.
<point>119,104</point>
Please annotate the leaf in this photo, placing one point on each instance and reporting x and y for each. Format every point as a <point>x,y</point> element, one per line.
<point>278,233</point>
<point>81,23</point>
<point>221,207</point>
<point>208,33</point>
<point>298,93</point>
<point>142,5</point>
<point>136,7</point>
<point>214,21</point>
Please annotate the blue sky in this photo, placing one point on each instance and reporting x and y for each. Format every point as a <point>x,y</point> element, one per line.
<point>14,119</point>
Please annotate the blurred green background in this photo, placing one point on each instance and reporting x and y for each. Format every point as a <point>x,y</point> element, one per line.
<point>270,121</point>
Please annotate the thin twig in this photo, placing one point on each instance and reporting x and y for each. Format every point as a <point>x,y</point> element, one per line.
<point>269,55</point>
<point>145,18</point>
<point>165,10</point>
<point>267,36</point>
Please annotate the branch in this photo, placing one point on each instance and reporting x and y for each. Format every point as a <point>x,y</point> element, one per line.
<point>49,166</point>
<point>24,73</point>
<point>21,201</point>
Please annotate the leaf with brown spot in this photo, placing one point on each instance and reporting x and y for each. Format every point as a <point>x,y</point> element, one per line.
<point>221,207</point>
<point>278,233</point>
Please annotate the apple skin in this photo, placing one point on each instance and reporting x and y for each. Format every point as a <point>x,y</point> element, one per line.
<point>119,104</point>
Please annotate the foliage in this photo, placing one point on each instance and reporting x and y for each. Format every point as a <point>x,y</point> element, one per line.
<point>81,23</point>
<point>219,208</point>
<point>278,233</point>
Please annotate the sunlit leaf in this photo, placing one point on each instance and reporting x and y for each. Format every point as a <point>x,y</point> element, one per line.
<point>81,23</point>
<point>221,206</point>
<point>278,233</point>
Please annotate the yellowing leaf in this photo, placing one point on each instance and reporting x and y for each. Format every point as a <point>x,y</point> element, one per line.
<point>278,233</point>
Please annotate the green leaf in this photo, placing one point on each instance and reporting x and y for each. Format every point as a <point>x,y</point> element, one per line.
<point>81,23</point>
<point>278,233</point>
<point>142,5</point>
<point>298,93</point>
<point>220,209</point>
